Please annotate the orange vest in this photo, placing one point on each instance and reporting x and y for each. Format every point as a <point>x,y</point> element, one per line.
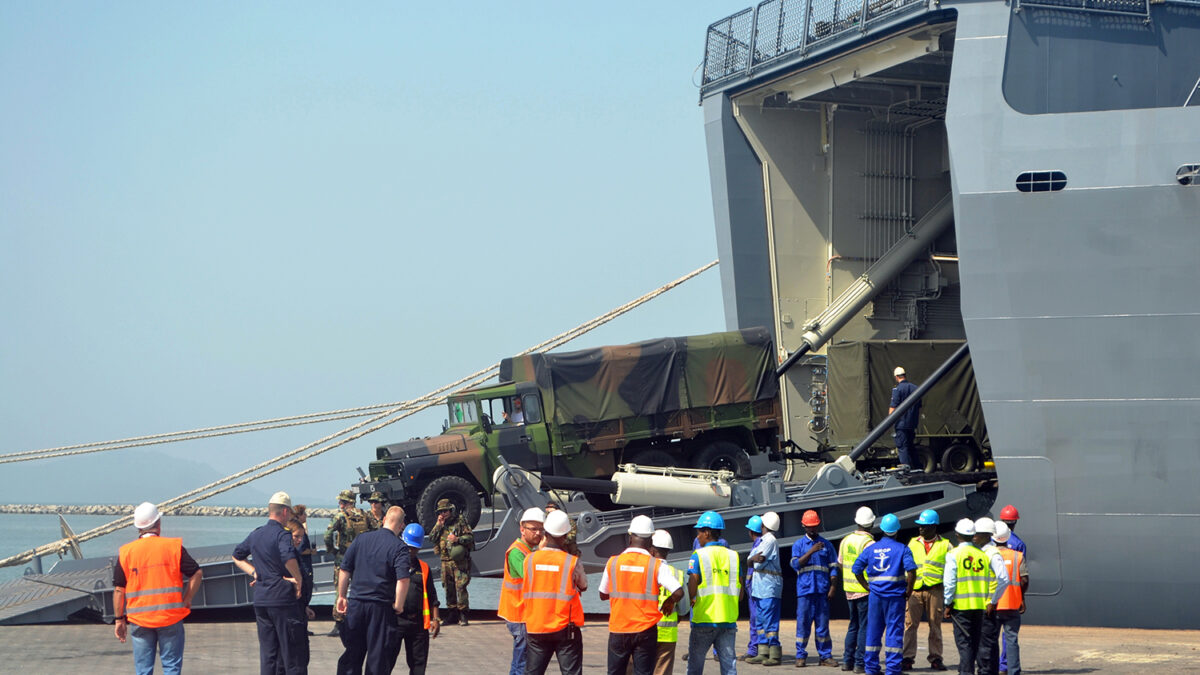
<point>1012,598</point>
<point>549,599</point>
<point>510,589</point>
<point>633,590</point>
<point>153,581</point>
<point>424,594</point>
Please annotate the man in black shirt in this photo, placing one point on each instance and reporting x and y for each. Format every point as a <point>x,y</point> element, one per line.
<point>277,585</point>
<point>377,561</point>
<point>419,622</point>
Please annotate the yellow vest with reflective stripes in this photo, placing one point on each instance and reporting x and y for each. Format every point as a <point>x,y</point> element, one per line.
<point>851,546</point>
<point>931,566</point>
<point>716,598</point>
<point>668,626</point>
<point>975,578</point>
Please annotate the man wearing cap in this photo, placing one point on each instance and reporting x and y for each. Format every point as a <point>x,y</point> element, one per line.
<point>926,602</point>
<point>378,507</point>
<point>668,626</point>
<point>856,594</point>
<point>906,426</point>
<point>550,606</point>
<point>892,572</point>
<point>532,521</point>
<point>373,584</point>
<point>1012,603</point>
<point>815,562</point>
<point>453,540</point>
<point>148,592</point>
<point>631,582</point>
<point>766,592</point>
<point>349,522</point>
<point>419,622</point>
<point>754,526</point>
<point>972,589</point>
<point>715,585</point>
<point>277,583</point>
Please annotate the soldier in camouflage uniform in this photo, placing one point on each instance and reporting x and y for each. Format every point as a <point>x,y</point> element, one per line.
<point>378,507</point>
<point>348,523</point>
<point>454,541</point>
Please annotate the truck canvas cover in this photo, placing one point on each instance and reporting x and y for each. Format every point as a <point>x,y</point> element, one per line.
<point>652,377</point>
<point>861,382</point>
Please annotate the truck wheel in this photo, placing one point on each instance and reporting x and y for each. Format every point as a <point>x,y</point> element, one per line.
<point>458,490</point>
<point>960,458</point>
<point>924,459</point>
<point>723,455</point>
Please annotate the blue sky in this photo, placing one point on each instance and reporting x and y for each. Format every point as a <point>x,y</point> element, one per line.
<point>223,212</point>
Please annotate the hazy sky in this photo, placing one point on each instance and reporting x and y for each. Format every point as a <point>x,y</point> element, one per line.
<point>223,212</point>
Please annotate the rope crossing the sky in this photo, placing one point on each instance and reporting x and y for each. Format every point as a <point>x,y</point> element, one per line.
<point>379,419</point>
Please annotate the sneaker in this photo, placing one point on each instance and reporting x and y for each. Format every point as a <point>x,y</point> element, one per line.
<point>828,662</point>
<point>462,619</point>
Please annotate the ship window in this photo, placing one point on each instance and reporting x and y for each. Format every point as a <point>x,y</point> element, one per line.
<point>1041,181</point>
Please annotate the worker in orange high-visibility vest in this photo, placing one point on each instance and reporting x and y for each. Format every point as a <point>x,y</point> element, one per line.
<point>550,603</point>
<point>1012,604</point>
<point>532,521</point>
<point>419,621</point>
<point>631,583</point>
<point>148,592</point>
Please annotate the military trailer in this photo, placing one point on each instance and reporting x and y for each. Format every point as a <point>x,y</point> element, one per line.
<point>706,401</point>
<point>951,435</point>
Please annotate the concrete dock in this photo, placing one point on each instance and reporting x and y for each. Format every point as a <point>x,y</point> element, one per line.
<point>484,648</point>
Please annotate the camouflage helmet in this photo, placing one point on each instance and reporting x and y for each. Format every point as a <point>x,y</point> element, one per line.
<point>445,505</point>
<point>376,497</point>
<point>346,496</point>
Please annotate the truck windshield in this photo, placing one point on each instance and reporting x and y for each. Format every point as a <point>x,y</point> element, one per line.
<point>463,412</point>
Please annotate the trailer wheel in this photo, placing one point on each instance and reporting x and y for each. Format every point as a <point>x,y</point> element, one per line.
<point>924,459</point>
<point>458,490</point>
<point>723,454</point>
<point>960,458</point>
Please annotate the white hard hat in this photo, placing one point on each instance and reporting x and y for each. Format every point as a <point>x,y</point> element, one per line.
<point>985,526</point>
<point>864,516</point>
<point>281,498</point>
<point>557,524</point>
<point>534,515</point>
<point>145,515</point>
<point>965,527</point>
<point>771,521</point>
<point>898,371</point>
<point>662,540</point>
<point>1002,533</point>
<point>641,526</point>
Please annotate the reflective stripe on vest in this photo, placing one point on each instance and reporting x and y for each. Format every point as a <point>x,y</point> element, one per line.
<point>852,545</point>
<point>1013,597</point>
<point>668,626</point>
<point>633,592</point>
<point>425,593</point>
<point>510,588</point>
<point>974,577</point>
<point>549,600</point>
<point>717,596</point>
<point>930,566</point>
<point>153,581</point>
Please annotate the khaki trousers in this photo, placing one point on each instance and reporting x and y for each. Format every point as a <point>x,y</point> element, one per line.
<point>927,603</point>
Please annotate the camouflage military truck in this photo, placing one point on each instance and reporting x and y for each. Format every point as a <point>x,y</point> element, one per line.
<point>951,435</point>
<point>707,401</point>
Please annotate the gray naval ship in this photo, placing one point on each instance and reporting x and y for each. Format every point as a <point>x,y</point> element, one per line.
<point>1043,158</point>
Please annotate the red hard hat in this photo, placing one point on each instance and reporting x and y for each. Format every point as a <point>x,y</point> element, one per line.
<point>1009,513</point>
<point>810,519</point>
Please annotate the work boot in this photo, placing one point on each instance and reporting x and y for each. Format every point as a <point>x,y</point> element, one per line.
<point>774,655</point>
<point>938,665</point>
<point>829,662</point>
<point>754,658</point>
<point>337,629</point>
<point>907,664</point>
<point>462,617</point>
<point>848,667</point>
<point>801,663</point>
<point>860,669</point>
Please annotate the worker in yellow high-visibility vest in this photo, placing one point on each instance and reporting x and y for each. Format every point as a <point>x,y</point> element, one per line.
<point>668,626</point>
<point>973,586</point>
<point>926,602</point>
<point>855,649</point>
<point>715,586</point>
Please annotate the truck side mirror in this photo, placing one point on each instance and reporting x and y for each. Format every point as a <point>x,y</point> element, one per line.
<point>445,426</point>
<point>486,422</point>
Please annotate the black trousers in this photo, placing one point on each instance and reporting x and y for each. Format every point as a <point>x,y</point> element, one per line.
<point>282,640</point>
<point>566,644</point>
<point>415,639</point>
<point>975,635</point>
<point>369,631</point>
<point>640,648</point>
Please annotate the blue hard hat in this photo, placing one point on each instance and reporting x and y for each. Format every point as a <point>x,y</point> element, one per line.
<point>414,535</point>
<point>890,524</point>
<point>711,520</point>
<point>928,517</point>
<point>754,524</point>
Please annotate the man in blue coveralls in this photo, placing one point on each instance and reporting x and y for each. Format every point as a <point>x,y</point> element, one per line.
<point>766,592</point>
<point>906,426</point>
<point>888,570</point>
<point>815,560</point>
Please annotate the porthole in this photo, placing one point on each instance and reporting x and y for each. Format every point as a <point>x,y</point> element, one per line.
<point>1188,174</point>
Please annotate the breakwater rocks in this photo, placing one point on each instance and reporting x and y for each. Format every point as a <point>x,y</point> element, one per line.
<point>127,510</point>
